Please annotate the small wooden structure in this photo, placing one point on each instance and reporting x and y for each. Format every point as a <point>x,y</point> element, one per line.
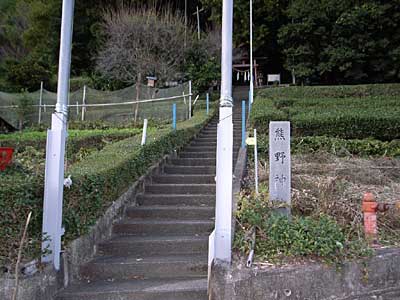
<point>151,81</point>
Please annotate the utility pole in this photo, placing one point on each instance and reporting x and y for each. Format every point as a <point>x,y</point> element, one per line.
<point>55,150</point>
<point>198,23</point>
<point>197,13</point>
<point>251,54</point>
<point>223,214</point>
<point>185,42</point>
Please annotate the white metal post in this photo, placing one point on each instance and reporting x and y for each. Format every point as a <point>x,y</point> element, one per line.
<point>251,54</point>
<point>223,217</point>
<point>55,151</point>
<point>190,99</point>
<point>255,161</point>
<point>40,103</point>
<point>144,134</point>
<point>84,103</point>
<point>77,110</point>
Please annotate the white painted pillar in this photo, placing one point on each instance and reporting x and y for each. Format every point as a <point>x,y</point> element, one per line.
<point>190,99</point>
<point>84,103</point>
<point>255,161</point>
<point>55,151</point>
<point>223,217</point>
<point>144,134</point>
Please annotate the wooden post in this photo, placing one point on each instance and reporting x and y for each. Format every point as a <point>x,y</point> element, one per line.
<point>255,73</point>
<point>40,103</point>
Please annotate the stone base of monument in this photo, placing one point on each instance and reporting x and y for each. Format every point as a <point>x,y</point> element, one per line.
<point>375,278</point>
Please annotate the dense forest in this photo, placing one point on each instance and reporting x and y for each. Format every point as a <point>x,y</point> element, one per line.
<point>321,42</point>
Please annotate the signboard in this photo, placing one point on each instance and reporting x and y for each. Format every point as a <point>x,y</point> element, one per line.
<point>251,141</point>
<point>274,77</point>
<point>280,162</point>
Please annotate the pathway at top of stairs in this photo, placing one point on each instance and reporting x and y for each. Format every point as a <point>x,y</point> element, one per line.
<point>159,249</point>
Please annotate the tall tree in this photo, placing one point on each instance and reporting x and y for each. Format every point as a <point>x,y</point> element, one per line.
<point>142,42</point>
<point>268,16</point>
<point>339,41</point>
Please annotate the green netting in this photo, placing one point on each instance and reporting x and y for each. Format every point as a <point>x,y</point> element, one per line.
<point>9,106</point>
<point>120,113</point>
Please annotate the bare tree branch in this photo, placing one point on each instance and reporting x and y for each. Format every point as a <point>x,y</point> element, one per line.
<point>142,41</point>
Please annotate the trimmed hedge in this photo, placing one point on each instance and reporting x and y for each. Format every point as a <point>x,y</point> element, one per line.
<point>97,182</point>
<point>349,118</point>
<point>336,91</point>
<point>311,144</point>
<point>77,139</point>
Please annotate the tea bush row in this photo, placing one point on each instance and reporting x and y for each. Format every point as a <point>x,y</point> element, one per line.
<point>98,180</point>
<point>349,118</point>
<point>336,146</point>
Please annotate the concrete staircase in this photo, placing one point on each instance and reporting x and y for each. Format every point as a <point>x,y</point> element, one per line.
<point>159,250</point>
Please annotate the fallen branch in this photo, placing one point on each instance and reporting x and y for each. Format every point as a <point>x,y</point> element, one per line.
<point>21,246</point>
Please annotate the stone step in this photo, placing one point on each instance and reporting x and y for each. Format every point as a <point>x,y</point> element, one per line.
<point>174,199</point>
<point>159,250</point>
<point>165,188</point>
<point>213,133</point>
<point>200,143</point>
<point>206,139</point>
<point>171,212</point>
<point>163,227</point>
<point>139,289</point>
<point>154,245</point>
<point>236,137</point>
<point>215,124</point>
<point>171,169</point>
<point>206,143</point>
<point>208,133</point>
<point>209,148</point>
<point>191,148</point>
<point>188,154</point>
<point>193,161</point>
<point>132,267</point>
<point>184,178</point>
<point>236,127</point>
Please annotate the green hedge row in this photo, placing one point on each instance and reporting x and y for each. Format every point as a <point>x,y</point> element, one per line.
<point>350,118</point>
<point>337,91</point>
<point>77,139</point>
<point>97,181</point>
<point>311,144</point>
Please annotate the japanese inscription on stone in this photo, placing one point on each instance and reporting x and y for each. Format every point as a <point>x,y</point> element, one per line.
<point>279,161</point>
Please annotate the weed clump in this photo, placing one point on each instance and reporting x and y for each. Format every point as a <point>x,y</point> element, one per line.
<point>280,239</point>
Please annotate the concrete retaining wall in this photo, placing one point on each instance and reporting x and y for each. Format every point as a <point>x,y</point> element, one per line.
<point>376,278</point>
